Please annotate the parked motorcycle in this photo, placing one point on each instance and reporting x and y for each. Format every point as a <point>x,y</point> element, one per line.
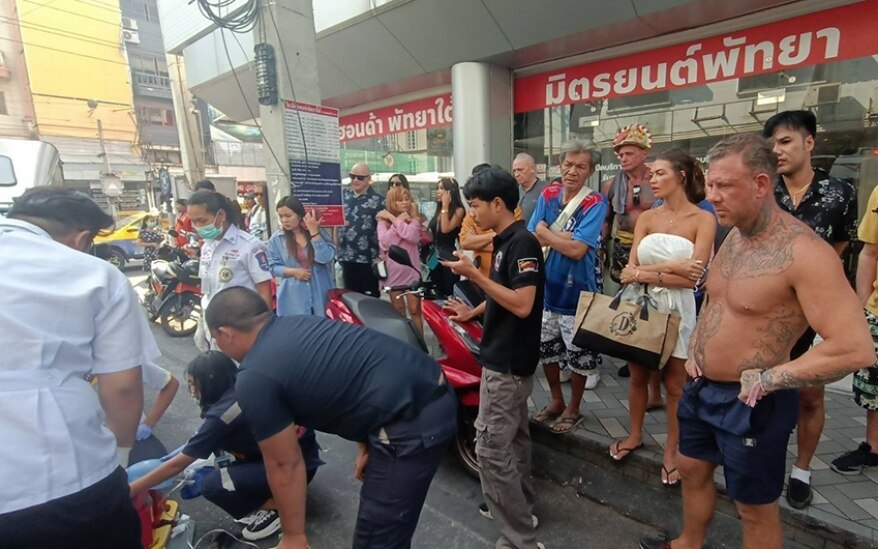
<point>173,291</point>
<point>458,341</point>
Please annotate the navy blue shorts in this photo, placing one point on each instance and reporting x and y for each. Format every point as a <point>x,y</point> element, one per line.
<point>750,443</point>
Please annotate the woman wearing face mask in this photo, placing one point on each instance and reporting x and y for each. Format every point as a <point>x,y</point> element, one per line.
<point>229,256</point>
<point>211,378</point>
<point>302,255</point>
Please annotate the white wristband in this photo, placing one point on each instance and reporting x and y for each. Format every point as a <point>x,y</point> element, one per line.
<point>123,456</point>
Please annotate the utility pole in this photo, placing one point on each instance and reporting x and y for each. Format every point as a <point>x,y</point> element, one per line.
<point>189,129</point>
<point>289,29</point>
<point>111,184</point>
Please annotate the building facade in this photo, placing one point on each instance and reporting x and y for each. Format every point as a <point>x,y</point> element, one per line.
<point>426,87</point>
<point>79,83</point>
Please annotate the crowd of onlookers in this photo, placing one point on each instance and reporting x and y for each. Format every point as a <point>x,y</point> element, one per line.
<point>745,256</point>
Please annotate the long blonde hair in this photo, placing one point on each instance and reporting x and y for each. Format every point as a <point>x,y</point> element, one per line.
<point>394,195</point>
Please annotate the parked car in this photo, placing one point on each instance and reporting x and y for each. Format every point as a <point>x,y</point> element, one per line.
<point>120,246</point>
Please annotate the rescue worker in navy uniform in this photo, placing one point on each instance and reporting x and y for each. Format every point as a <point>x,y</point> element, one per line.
<point>346,380</point>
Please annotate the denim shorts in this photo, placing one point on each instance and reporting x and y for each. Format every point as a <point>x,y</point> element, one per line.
<point>750,443</point>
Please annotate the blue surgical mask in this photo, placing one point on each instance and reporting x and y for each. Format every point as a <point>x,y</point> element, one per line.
<point>209,232</point>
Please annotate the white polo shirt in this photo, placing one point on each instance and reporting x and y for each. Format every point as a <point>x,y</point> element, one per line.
<point>237,259</point>
<point>63,314</point>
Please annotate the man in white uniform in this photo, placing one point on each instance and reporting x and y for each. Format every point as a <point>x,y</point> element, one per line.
<point>66,314</point>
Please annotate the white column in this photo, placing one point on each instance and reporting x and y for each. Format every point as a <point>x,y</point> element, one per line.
<point>293,36</point>
<point>482,116</point>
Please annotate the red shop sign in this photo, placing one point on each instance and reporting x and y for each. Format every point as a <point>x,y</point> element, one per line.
<point>833,35</point>
<point>414,115</point>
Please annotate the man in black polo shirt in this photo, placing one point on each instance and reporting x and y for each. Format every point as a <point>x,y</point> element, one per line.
<point>345,380</point>
<point>510,352</point>
<point>829,206</point>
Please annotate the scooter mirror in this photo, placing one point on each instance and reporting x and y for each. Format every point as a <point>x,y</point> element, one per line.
<point>399,255</point>
<point>173,233</point>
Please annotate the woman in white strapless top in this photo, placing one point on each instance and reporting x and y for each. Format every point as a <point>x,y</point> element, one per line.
<point>672,246</point>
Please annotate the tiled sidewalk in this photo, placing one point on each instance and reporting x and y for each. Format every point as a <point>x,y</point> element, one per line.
<point>846,502</point>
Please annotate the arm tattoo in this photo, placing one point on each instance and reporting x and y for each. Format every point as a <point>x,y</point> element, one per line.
<point>789,380</point>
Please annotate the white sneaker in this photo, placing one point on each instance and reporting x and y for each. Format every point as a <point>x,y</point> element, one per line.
<point>540,545</point>
<point>592,380</point>
<point>265,524</point>
<point>565,375</point>
<point>246,521</point>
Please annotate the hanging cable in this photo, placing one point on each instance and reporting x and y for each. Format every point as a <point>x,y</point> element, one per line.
<point>243,21</point>
<point>247,104</point>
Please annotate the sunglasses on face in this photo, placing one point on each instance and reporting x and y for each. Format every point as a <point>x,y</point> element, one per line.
<point>396,184</point>
<point>635,195</point>
<point>358,177</point>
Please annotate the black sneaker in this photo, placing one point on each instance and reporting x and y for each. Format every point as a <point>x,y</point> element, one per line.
<point>655,543</point>
<point>265,524</point>
<point>799,494</point>
<point>853,462</point>
<point>624,371</point>
<point>485,512</point>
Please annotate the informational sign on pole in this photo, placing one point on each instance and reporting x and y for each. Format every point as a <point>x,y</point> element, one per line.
<point>311,133</point>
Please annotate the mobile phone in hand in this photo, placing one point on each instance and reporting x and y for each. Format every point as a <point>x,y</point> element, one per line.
<point>446,255</point>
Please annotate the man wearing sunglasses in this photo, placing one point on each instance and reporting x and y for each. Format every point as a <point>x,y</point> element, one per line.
<point>358,240</point>
<point>629,194</point>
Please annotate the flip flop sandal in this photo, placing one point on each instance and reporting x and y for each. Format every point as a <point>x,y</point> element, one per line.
<point>569,423</point>
<point>544,416</point>
<point>616,454</point>
<point>666,477</point>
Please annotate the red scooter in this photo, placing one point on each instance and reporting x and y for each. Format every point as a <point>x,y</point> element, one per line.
<point>459,343</point>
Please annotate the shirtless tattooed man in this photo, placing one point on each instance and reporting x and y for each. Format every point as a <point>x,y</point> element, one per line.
<point>771,279</point>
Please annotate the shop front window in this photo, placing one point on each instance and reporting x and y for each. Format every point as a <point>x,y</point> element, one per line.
<point>412,138</point>
<point>732,87</point>
<point>842,95</point>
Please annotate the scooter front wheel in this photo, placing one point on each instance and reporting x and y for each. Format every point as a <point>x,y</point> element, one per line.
<point>465,439</point>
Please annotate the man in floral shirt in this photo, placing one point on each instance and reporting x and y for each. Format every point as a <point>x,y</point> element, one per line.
<point>358,241</point>
<point>829,206</point>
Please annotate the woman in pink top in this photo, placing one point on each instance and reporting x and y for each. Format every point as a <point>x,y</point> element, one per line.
<point>396,226</point>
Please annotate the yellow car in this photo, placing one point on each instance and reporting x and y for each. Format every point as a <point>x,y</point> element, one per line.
<point>120,246</point>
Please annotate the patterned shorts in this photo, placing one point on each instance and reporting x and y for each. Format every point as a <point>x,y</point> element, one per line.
<point>556,345</point>
<point>866,380</point>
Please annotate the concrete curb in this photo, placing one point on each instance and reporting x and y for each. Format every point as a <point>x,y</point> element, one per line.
<point>633,487</point>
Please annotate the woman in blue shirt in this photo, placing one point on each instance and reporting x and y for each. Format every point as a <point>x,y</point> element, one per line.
<point>302,255</point>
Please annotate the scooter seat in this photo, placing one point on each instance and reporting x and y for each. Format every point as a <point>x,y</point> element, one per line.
<point>380,315</point>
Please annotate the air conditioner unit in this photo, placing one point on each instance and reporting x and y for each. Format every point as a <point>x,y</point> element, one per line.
<point>131,37</point>
<point>128,23</point>
<point>822,95</point>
